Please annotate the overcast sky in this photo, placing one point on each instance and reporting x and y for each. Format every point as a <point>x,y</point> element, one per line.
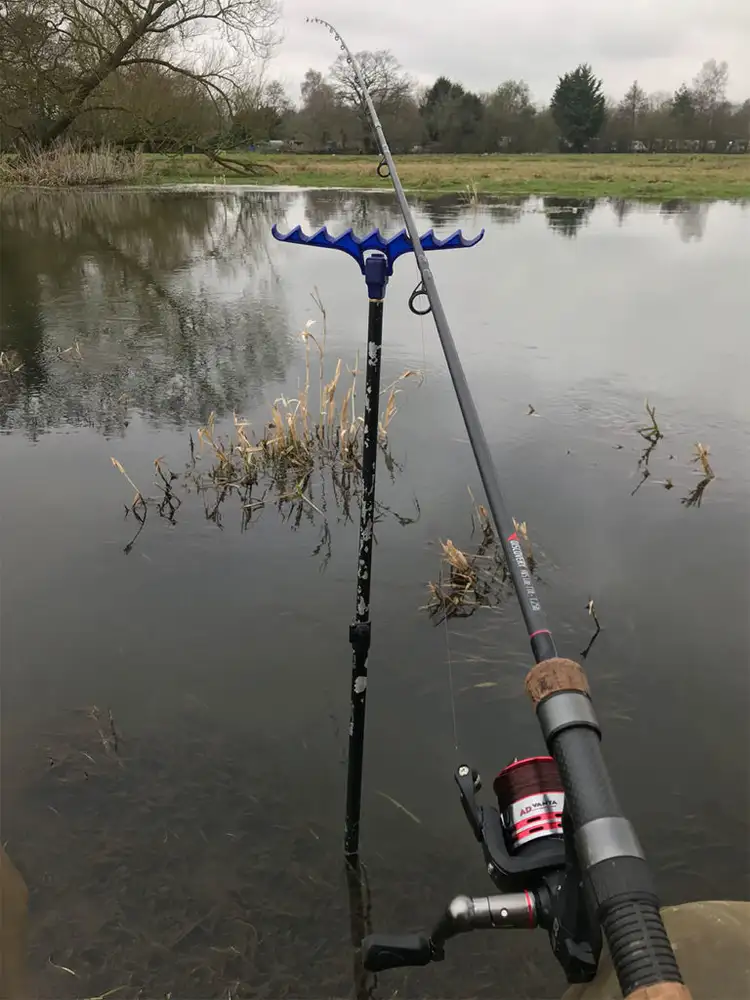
<point>661,43</point>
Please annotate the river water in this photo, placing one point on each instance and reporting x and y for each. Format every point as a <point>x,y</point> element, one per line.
<point>202,855</point>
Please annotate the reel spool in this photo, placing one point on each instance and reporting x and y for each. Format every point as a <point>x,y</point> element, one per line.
<point>531,800</point>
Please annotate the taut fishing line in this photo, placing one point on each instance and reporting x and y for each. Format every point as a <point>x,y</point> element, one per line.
<point>451,689</point>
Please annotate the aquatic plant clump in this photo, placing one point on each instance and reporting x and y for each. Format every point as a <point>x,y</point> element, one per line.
<point>298,435</point>
<point>472,580</point>
<point>317,432</point>
<point>653,434</point>
<point>305,452</point>
<point>695,497</point>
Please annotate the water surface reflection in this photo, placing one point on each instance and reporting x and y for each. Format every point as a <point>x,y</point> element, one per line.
<point>203,856</point>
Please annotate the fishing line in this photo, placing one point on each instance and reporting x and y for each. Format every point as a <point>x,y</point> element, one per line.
<point>450,684</point>
<point>424,349</point>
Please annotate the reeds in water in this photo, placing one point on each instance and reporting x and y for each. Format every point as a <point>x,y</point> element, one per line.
<point>472,580</point>
<point>166,504</point>
<point>651,433</point>
<point>68,164</point>
<point>302,433</point>
<point>307,452</point>
<point>695,497</point>
<point>701,457</point>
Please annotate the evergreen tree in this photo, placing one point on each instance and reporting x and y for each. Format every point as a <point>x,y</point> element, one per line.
<point>578,107</point>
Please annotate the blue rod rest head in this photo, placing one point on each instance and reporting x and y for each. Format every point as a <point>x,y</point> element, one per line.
<point>357,246</point>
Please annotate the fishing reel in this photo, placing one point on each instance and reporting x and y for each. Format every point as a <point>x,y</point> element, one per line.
<point>531,861</point>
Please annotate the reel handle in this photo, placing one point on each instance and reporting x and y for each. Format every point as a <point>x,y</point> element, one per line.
<point>464,913</point>
<point>395,951</point>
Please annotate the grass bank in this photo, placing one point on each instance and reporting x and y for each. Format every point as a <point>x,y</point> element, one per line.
<point>656,176</point>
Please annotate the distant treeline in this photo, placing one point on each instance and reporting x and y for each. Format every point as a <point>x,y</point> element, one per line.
<point>145,75</point>
<point>447,118</point>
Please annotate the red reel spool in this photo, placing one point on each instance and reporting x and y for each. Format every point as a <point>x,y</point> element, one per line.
<point>531,800</point>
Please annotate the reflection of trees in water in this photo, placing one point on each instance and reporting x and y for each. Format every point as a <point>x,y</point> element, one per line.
<point>342,209</point>
<point>452,209</point>
<point>443,211</point>
<point>169,295</point>
<point>690,217</point>
<point>364,211</point>
<point>507,209</point>
<point>567,215</point>
<point>622,207</point>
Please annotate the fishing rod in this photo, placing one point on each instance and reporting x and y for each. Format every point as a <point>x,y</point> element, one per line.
<point>558,845</point>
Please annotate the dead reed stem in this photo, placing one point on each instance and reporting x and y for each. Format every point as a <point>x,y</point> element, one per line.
<point>166,504</point>
<point>695,497</point>
<point>592,611</point>
<point>471,580</point>
<point>651,433</point>
<point>701,456</point>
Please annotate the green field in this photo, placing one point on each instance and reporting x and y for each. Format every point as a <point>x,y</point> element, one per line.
<point>602,175</point>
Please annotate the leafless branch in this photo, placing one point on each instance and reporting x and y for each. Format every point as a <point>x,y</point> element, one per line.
<point>236,166</point>
<point>61,53</point>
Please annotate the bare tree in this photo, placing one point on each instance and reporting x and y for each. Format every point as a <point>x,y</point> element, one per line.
<point>147,107</point>
<point>67,52</point>
<point>710,85</point>
<point>323,120</point>
<point>655,123</point>
<point>386,80</point>
<point>389,86</point>
<point>260,112</point>
<point>633,106</point>
<point>31,51</point>
<point>709,93</point>
<point>509,116</point>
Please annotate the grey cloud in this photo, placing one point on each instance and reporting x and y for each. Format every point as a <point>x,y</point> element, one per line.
<point>482,42</point>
